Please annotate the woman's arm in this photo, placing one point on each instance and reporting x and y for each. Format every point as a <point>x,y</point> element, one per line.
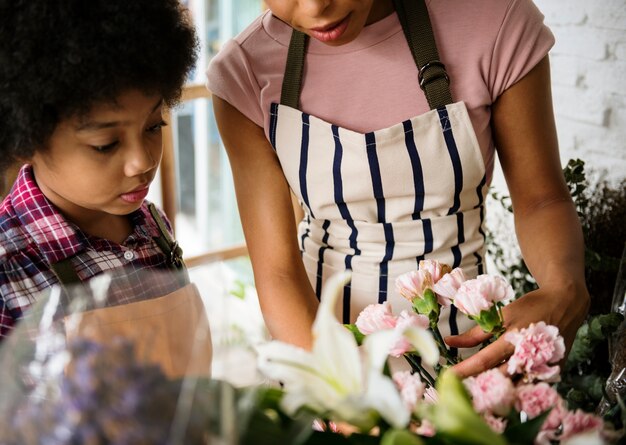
<point>546,223</point>
<point>286,297</point>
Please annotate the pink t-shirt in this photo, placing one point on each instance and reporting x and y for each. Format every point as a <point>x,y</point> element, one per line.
<point>371,83</point>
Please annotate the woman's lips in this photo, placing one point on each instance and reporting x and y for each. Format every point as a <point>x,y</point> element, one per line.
<point>332,32</point>
<point>137,195</point>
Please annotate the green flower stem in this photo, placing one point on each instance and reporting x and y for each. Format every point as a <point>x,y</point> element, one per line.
<point>443,350</point>
<point>497,332</point>
<point>419,368</point>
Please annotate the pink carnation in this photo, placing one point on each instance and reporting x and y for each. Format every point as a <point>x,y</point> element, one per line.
<point>481,293</point>
<point>448,285</point>
<point>436,269</point>
<point>405,320</point>
<point>578,422</point>
<point>376,317</point>
<point>411,388</point>
<point>413,284</point>
<point>492,392</point>
<point>535,399</point>
<point>535,348</point>
<point>497,424</point>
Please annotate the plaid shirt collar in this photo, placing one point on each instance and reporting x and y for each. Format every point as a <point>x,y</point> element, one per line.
<point>58,238</point>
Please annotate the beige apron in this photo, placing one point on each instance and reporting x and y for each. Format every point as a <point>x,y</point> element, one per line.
<point>171,331</point>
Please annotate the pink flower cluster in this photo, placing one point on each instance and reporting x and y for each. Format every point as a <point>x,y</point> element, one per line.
<point>413,284</point>
<point>451,286</point>
<point>413,392</point>
<point>494,395</point>
<point>411,388</point>
<point>492,392</point>
<point>536,347</point>
<point>378,317</point>
<point>481,293</point>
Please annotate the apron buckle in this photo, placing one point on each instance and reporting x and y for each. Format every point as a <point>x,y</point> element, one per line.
<point>437,74</point>
<point>176,255</point>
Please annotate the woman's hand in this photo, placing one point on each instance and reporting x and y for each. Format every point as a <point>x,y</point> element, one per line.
<point>564,308</point>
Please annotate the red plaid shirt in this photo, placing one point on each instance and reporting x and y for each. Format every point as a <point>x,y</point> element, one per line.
<point>34,234</point>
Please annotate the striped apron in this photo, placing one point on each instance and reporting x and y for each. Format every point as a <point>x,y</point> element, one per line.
<point>378,203</point>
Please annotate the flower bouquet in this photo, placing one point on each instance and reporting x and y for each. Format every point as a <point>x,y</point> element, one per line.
<point>346,383</point>
<point>65,380</point>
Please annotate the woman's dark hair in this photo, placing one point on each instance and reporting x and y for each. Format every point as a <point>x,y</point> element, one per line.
<point>60,57</point>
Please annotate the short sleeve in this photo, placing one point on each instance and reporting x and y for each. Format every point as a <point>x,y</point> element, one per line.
<point>230,77</point>
<point>523,41</point>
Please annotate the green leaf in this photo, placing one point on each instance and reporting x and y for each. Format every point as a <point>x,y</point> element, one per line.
<point>593,332</point>
<point>489,320</point>
<point>525,432</point>
<point>239,291</point>
<point>358,335</point>
<point>269,425</point>
<point>329,438</point>
<point>400,437</point>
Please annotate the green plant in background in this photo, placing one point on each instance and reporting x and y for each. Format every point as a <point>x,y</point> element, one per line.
<point>601,208</point>
<point>584,386</point>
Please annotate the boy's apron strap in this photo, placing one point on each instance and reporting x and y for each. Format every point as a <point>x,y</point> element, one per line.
<point>166,243</point>
<point>417,28</point>
<point>65,272</point>
<point>169,246</point>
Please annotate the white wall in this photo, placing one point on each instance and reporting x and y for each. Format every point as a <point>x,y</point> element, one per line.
<point>589,81</point>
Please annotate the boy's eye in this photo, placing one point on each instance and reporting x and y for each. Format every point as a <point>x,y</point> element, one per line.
<point>157,127</point>
<point>104,148</point>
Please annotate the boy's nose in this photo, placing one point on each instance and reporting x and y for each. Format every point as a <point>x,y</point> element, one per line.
<point>141,159</point>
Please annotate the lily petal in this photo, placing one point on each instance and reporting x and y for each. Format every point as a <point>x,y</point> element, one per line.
<point>424,343</point>
<point>334,348</point>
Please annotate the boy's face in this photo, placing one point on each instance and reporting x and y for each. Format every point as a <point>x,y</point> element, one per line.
<point>334,22</point>
<point>102,164</point>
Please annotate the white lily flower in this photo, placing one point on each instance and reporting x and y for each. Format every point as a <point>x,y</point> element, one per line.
<point>337,378</point>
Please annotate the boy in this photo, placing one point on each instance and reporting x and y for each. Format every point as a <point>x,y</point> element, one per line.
<point>82,89</point>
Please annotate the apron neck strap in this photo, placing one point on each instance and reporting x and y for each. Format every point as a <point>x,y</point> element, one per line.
<point>292,81</point>
<point>432,75</point>
<point>65,272</point>
<point>166,243</point>
<point>417,28</point>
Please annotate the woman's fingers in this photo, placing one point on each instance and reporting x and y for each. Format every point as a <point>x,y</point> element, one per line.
<point>492,356</point>
<point>467,339</point>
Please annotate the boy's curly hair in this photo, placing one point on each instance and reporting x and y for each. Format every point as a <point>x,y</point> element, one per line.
<point>60,57</point>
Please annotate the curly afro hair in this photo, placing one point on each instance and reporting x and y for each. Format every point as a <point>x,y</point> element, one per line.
<point>60,57</point>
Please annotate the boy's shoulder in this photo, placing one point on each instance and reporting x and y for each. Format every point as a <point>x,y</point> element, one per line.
<point>14,237</point>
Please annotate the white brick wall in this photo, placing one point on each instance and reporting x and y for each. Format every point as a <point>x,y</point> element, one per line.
<point>589,81</point>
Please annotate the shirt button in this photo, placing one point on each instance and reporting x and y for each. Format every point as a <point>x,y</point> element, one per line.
<point>129,255</point>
